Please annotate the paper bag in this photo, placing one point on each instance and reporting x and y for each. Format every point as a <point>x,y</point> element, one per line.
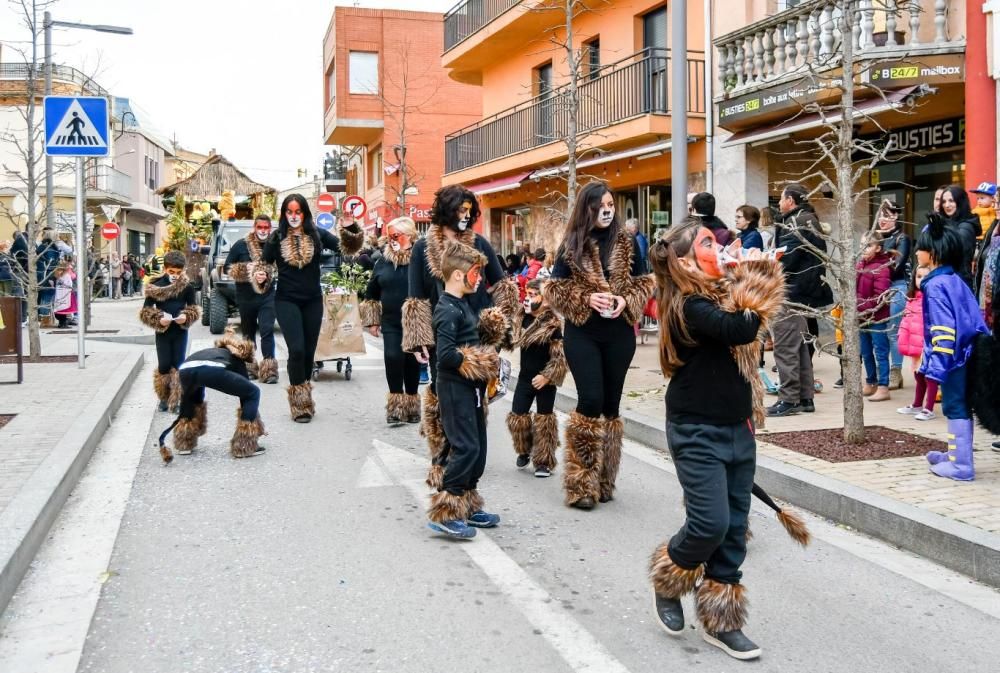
<point>341,333</point>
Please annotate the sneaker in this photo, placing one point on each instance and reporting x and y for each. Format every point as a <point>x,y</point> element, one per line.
<point>454,528</point>
<point>996,446</point>
<point>783,408</point>
<point>807,406</point>
<point>839,383</point>
<point>413,419</point>
<point>272,379</point>
<point>393,420</point>
<point>909,409</point>
<point>586,503</point>
<point>162,406</point>
<point>543,472</point>
<point>523,460</point>
<point>481,519</point>
<point>669,614</point>
<point>733,643</point>
<point>925,415</point>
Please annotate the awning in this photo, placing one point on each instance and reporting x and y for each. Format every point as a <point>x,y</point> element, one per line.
<point>500,184</point>
<point>652,150</point>
<point>866,108</point>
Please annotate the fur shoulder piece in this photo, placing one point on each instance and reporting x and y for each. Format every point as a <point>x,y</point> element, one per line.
<point>492,326</point>
<point>418,328</point>
<point>540,331</point>
<point>757,286</point>
<point>371,313</point>
<point>254,246</point>
<point>435,247</point>
<point>168,291</point>
<point>241,348</point>
<point>636,290</point>
<point>298,250</point>
<point>479,363</point>
<point>150,317</point>
<point>351,240</point>
<point>397,258</point>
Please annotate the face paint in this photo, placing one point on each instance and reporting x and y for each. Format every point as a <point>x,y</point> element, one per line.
<point>473,277</point>
<point>706,253</point>
<point>173,276</point>
<point>398,241</point>
<point>294,221</point>
<point>395,246</point>
<point>605,217</point>
<point>465,216</point>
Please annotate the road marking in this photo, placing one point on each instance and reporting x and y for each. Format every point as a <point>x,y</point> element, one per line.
<point>568,637</point>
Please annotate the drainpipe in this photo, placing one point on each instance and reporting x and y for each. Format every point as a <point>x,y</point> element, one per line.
<point>709,95</point>
<point>678,115</point>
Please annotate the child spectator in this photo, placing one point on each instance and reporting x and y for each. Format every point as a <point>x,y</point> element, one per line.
<point>874,279</point>
<point>911,344</point>
<point>985,204</point>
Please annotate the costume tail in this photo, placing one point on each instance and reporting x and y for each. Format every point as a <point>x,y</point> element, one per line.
<point>165,452</point>
<point>792,522</point>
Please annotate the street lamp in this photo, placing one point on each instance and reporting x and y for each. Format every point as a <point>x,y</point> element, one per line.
<point>48,22</point>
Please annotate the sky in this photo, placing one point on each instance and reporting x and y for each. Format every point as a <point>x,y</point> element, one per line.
<point>244,77</point>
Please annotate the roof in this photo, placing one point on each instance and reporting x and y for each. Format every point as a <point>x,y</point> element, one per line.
<point>214,177</point>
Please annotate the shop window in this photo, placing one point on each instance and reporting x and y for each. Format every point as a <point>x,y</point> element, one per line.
<point>363,72</point>
<point>375,167</point>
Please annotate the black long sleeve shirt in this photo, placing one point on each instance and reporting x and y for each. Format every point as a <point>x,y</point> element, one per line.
<point>295,284</point>
<point>389,284</point>
<point>708,388</point>
<point>423,284</point>
<point>240,253</point>
<point>455,325</point>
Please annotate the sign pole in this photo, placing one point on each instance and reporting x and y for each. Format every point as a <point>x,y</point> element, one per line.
<point>81,266</point>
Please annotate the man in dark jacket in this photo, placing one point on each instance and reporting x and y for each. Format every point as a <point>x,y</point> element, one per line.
<point>19,251</point>
<point>798,231</point>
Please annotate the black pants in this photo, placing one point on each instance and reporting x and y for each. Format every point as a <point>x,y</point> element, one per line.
<point>715,466</point>
<point>464,425</point>
<point>257,316</point>
<point>300,323</point>
<point>402,371</point>
<point>194,380</point>
<point>525,394</point>
<point>171,348</point>
<point>598,355</point>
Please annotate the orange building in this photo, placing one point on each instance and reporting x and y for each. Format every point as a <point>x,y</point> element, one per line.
<point>514,156</point>
<point>389,100</point>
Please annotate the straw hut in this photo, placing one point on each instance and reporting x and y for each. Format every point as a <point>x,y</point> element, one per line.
<point>213,178</point>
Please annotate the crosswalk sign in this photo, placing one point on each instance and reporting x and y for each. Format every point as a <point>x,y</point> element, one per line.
<point>76,126</point>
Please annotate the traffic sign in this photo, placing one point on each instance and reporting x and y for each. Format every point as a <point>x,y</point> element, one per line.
<point>194,245</point>
<point>110,231</point>
<point>325,221</point>
<point>76,126</point>
<point>325,203</point>
<point>355,206</point>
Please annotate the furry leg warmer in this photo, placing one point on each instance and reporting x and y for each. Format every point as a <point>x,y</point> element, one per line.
<point>519,426</point>
<point>411,408</point>
<point>300,401</point>
<point>447,506</point>
<point>474,501</point>
<point>395,407</point>
<point>186,434</point>
<point>244,441</point>
<point>201,417</point>
<point>545,433</point>
<point>253,369</point>
<point>670,580</point>
<point>430,427</point>
<point>584,439</point>
<point>721,607</point>
<point>613,431</point>
<point>161,385</point>
<point>267,372</point>
<point>175,390</point>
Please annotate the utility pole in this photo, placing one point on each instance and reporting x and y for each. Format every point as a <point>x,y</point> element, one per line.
<point>678,119</point>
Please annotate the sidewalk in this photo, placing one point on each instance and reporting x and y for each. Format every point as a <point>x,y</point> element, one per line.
<point>61,415</point>
<point>898,500</point>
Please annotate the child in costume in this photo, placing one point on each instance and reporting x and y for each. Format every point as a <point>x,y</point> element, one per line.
<point>463,369</point>
<point>538,334</point>
<point>911,344</point>
<point>952,321</point>
<point>170,309</point>
<point>709,322</point>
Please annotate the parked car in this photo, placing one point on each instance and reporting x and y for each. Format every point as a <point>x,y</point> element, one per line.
<point>218,293</point>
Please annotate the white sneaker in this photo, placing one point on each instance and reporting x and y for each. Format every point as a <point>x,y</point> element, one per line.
<point>925,415</point>
<point>909,410</point>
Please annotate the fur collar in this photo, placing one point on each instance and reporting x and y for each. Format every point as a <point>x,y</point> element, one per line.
<point>298,251</point>
<point>169,291</point>
<point>254,245</point>
<point>397,258</point>
<point>435,247</point>
<point>539,331</point>
<point>619,265</point>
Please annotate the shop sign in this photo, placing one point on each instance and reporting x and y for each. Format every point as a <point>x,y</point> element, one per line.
<point>925,137</point>
<point>943,69</point>
<point>660,218</point>
<point>791,97</point>
<point>418,212</point>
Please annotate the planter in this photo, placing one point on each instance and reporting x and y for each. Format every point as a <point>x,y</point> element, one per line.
<point>882,37</point>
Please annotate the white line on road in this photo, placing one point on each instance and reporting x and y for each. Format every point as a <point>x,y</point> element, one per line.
<point>574,643</point>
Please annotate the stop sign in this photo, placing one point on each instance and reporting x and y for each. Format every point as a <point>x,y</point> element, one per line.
<point>110,231</point>
<point>325,203</point>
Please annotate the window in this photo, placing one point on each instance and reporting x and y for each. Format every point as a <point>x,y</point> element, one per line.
<point>592,57</point>
<point>331,85</point>
<point>363,72</point>
<point>542,83</point>
<point>145,170</point>
<point>654,29</point>
<point>375,167</point>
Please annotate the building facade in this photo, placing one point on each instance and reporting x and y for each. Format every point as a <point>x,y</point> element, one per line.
<point>514,157</point>
<point>390,103</point>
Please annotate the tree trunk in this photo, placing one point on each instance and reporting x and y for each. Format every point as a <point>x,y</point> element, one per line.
<point>573,107</point>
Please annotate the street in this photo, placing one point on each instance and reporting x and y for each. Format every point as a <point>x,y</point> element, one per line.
<point>315,557</point>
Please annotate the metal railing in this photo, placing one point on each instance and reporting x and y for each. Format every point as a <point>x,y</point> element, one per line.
<point>60,73</point>
<point>110,180</point>
<point>469,16</point>
<point>634,86</point>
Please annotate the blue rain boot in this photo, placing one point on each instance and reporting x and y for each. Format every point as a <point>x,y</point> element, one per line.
<point>769,386</point>
<point>959,464</point>
<point>954,428</point>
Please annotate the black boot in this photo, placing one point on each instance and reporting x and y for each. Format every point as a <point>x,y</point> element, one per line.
<point>733,643</point>
<point>670,614</point>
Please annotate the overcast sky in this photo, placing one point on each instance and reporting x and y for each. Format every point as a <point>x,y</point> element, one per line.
<point>242,76</point>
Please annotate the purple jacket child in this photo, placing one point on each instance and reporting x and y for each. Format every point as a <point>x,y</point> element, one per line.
<point>951,321</point>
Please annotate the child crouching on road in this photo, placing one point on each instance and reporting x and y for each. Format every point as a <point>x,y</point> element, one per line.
<point>538,333</point>
<point>170,309</point>
<point>463,368</point>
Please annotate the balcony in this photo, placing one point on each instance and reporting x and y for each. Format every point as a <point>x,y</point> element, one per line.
<point>806,39</point>
<point>110,181</point>
<point>60,74</point>
<point>631,88</point>
<point>468,17</point>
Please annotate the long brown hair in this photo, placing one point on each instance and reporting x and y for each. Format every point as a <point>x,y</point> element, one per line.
<point>674,285</point>
<point>582,219</point>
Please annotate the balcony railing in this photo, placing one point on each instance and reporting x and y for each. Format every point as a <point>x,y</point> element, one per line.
<point>60,73</point>
<point>469,16</point>
<point>634,86</point>
<point>808,37</point>
<point>106,179</point>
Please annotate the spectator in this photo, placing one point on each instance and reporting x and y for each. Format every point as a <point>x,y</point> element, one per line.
<point>957,214</point>
<point>747,223</point>
<point>19,251</point>
<point>46,261</point>
<point>531,271</point>
<point>985,208</point>
<point>873,282</point>
<point>704,208</point>
<point>896,243</point>
<point>766,227</point>
<point>8,280</point>
<point>115,264</point>
<point>632,227</point>
<point>988,278</point>
<point>798,231</point>
<point>126,278</point>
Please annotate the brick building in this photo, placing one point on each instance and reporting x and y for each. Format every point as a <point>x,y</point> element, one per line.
<point>389,101</point>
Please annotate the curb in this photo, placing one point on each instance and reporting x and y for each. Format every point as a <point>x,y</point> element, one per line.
<point>955,545</point>
<point>133,340</point>
<point>27,519</point>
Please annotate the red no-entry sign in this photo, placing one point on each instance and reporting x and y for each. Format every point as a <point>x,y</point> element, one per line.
<point>355,206</point>
<point>325,203</point>
<point>110,231</point>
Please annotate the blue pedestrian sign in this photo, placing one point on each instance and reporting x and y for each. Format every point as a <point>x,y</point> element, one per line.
<point>76,126</point>
<point>325,221</point>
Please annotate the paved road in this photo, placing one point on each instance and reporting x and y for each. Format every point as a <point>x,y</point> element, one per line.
<point>314,557</point>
